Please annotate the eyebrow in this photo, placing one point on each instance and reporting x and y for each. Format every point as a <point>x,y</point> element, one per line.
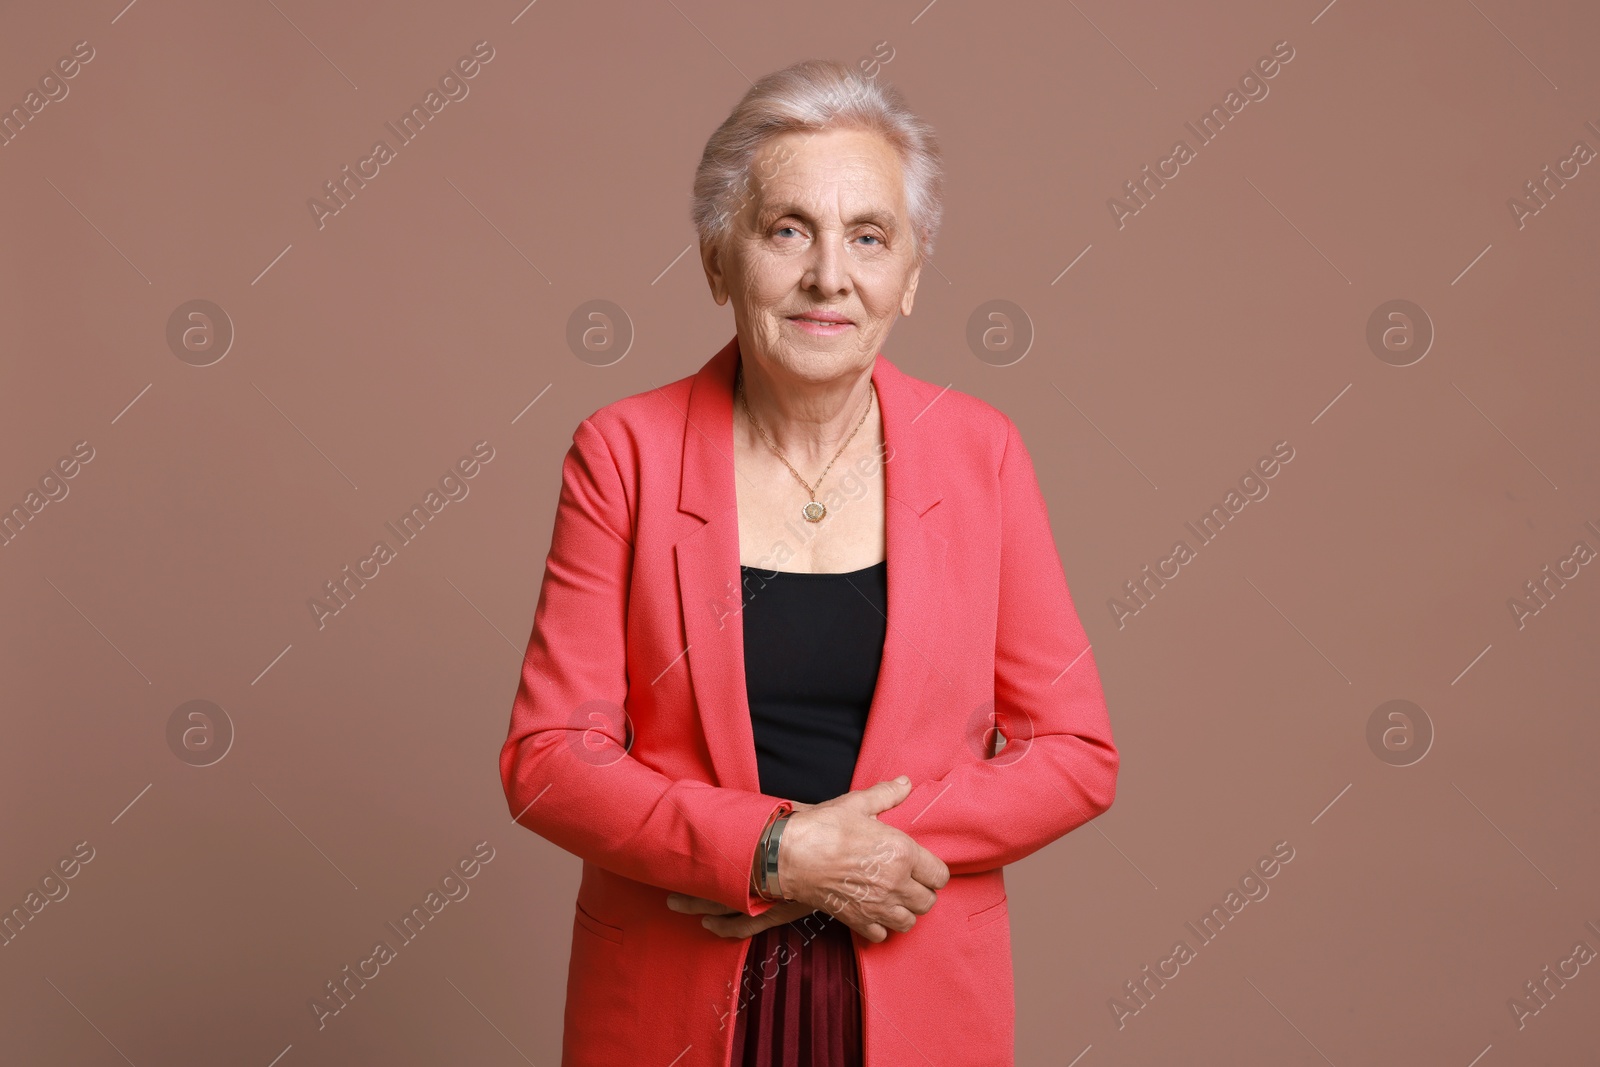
<point>778,211</point>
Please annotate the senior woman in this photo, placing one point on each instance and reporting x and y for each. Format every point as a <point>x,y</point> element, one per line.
<point>804,673</point>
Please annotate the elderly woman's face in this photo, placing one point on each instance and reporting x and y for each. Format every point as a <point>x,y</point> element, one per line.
<point>823,232</point>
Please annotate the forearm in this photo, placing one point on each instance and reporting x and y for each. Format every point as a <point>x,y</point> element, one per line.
<point>994,812</point>
<point>685,836</point>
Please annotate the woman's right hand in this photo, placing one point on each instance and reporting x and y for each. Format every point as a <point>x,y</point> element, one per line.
<point>838,857</point>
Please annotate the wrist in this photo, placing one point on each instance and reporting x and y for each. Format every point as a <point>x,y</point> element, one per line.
<point>764,865</point>
<point>775,856</point>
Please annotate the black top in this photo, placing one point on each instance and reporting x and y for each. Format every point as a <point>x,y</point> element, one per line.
<point>812,647</point>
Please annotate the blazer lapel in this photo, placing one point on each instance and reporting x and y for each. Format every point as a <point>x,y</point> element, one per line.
<point>708,574</point>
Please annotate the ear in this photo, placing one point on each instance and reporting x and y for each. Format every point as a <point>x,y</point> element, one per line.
<point>711,260</point>
<point>911,290</point>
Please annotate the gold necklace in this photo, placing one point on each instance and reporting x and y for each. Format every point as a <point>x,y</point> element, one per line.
<point>815,510</point>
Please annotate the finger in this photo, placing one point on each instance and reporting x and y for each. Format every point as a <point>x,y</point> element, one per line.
<point>883,796</point>
<point>689,905</point>
<point>738,924</point>
<point>920,899</point>
<point>730,926</point>
<point>899,919</point>
<point>929,869</point>
<point>872,931</point>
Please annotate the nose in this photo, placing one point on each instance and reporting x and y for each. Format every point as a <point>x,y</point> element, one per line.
<point>827,271</point>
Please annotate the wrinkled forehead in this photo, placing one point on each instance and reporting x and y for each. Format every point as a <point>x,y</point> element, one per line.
<point>843,173</point>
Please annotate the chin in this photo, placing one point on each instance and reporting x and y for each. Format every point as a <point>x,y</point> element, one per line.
<point>820,364</point>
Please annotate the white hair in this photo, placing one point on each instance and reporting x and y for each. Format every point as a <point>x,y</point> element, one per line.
<point>816,95</point>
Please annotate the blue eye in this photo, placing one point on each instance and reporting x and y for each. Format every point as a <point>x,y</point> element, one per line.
<point>870,237</point>
<point>781,229</point>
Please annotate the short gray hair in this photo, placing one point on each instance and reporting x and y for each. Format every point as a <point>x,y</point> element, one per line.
<point>815,95</point>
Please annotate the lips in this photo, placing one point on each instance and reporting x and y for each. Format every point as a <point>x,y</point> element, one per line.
<point>831,317</point>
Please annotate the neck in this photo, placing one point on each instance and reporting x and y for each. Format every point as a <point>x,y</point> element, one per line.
<point>809,421</point>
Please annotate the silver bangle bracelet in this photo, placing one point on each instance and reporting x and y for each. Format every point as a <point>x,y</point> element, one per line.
<point>769,859</point>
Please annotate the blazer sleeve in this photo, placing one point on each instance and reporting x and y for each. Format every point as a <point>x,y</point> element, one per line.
<point>566,773</point>
<point>1058,768</point>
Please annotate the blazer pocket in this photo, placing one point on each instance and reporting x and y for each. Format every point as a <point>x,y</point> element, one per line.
<point>987,915</point>
<point>598,928</point>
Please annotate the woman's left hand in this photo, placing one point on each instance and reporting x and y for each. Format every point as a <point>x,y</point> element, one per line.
<point>725,922</point>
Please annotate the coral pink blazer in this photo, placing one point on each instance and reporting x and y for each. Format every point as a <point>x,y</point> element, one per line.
<point>630,743</point>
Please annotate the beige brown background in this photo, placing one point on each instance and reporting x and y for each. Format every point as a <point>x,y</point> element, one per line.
<point>368,355</point>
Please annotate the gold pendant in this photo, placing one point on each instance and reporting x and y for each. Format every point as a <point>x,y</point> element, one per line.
<point>814,511</point>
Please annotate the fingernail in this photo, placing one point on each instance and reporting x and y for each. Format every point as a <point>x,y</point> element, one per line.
<point>903,780</point>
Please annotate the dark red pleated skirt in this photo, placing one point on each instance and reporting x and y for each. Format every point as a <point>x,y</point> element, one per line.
<point>799,1003</point>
